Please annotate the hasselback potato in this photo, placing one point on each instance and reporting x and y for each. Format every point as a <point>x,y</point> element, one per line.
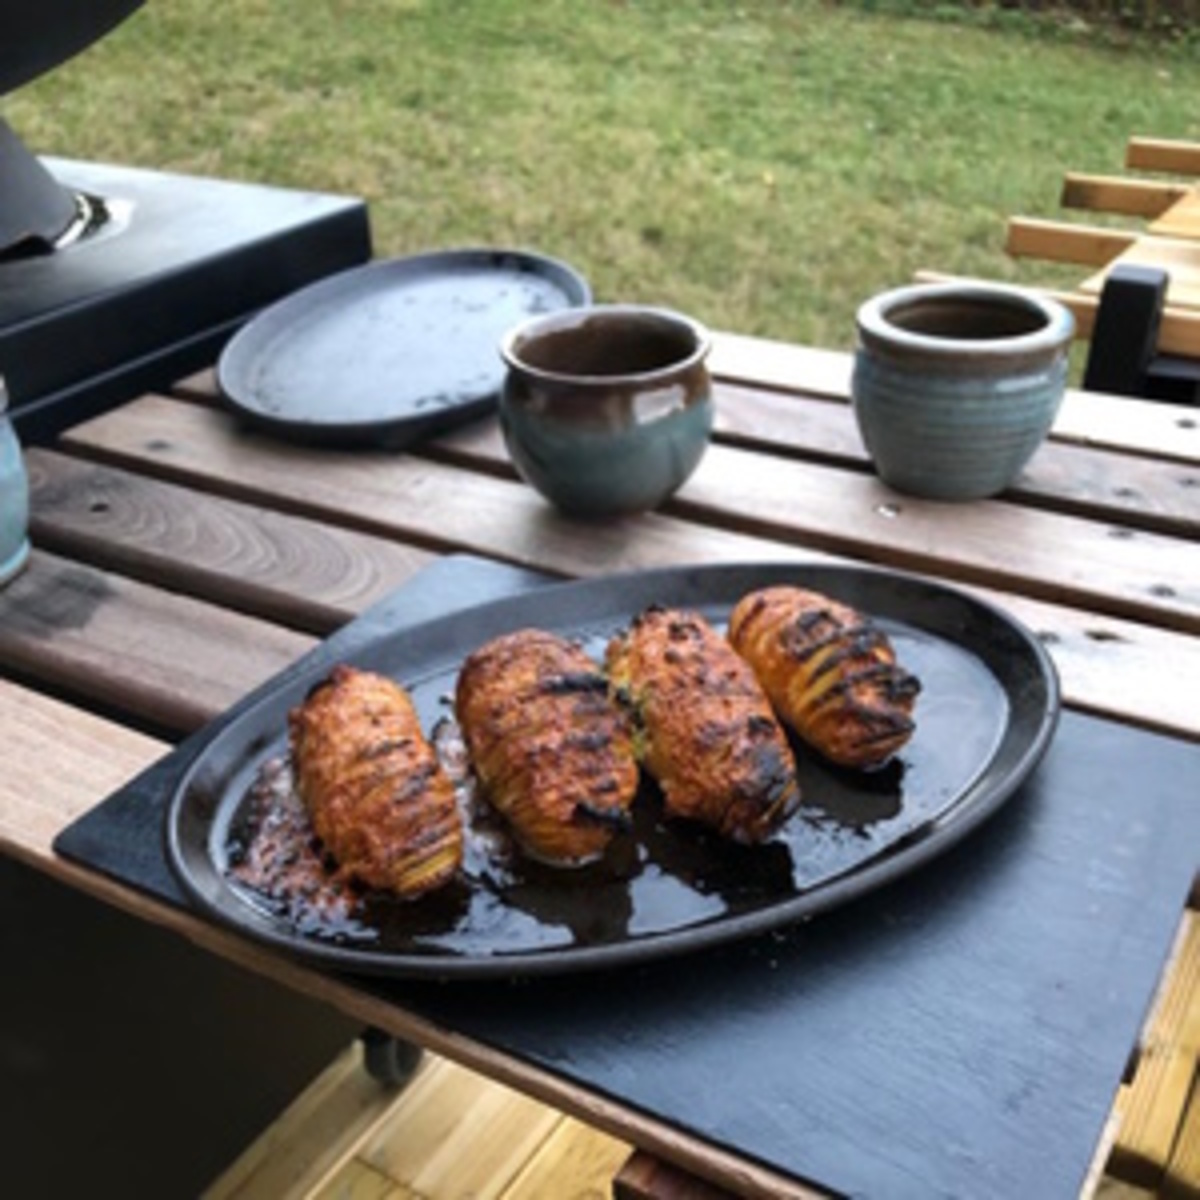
<point>830,672</point>
<point>552,752</point>
<point>705,728</point>
<point>376,795</point>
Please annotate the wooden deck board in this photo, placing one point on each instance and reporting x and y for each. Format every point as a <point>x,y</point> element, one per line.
<point>313,1140</point>
<point>449,1134</point>
<point>1153,1105</point>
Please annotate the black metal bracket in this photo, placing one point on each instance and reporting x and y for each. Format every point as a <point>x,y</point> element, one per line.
<point>1123,359</point>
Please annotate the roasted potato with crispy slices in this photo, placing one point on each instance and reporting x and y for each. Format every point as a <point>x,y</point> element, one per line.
<point>376,795</point>
<point>553,753</point>
<point>705,728</point>
<point>831,674</point>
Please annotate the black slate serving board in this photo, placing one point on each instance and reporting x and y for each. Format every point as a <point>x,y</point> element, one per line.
<point>960,1033</point>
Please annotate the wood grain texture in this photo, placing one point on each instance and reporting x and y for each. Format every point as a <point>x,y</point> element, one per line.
<point>345,1133</point>
<point>482,1135</point>
<point>1064,476</point>
<point>313,1141</point>
<point>1109,1188</point>
<point>244,556</point>
<point>92,757</point>
<point>1163,154</point>
<point>1093,653</point>
<point>1153,1107</point>
<point>1182,1180</point>
<point>1064,241</point>
<point>159,657</point>
<point>1121,423</point>
<point>1181,220</point>
<point>810,504</point>
<point>1179,257</point>
<point>769,370</point>
<point>574,1161</point>
<point>1048,555</point>
<point>1117,194</point>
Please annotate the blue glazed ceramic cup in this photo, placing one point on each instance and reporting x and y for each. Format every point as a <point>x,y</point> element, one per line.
<point>955,386</point>
<point>14,498</point>
<point>606,409</point>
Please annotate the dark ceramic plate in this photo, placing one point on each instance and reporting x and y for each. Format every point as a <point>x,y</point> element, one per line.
<point>986,715</point>
<point>389,352</point>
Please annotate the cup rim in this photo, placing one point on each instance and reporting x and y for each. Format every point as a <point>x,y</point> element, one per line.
<point>875,326</point>
<point>569,318</point>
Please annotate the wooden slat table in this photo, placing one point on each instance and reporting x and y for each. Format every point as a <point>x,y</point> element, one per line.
<point>181,561</point>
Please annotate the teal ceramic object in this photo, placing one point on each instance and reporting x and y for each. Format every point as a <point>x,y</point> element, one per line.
<point>955,386</point>
<point>14,498</point>
<point>607,409</point>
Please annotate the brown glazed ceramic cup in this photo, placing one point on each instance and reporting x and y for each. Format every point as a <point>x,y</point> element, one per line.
<point>606,409</point>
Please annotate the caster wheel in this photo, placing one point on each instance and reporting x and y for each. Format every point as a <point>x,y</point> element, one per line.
<point>389,1060</point>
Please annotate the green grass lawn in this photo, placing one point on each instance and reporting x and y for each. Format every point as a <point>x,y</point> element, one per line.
<point>763,166</point>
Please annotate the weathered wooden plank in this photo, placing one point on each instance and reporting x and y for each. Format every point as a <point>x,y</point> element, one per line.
<point>1109,665</point>
<point>1063,241</point>
<point>1142,576</point>
<point>1117,194</point>
<point>1068,472</point>
<point>1163,154</point>
<point>398,495</point>
<point>1120,423</point>
<point>763,362</point>
<point>160,657</point>
<point>1099,484</point>
<point>1146,576</point>
<point>92,757</point>
<point>357,1181</point>
<point>759,373</point>
<point>240,555</point>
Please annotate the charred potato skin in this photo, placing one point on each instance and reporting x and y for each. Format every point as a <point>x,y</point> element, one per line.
<point>553,753</point>
<point>705,728</point>
<point>831,674</point>
<point>375,792</point>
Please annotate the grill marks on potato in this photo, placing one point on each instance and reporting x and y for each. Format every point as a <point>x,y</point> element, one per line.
<point>372,785</point>
<point>552,751</point>
<point>706,732</point>
<point>831,674</point>
<point>557,745</point>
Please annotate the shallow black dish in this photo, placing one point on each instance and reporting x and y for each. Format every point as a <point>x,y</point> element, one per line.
<point>391,351</point>
<point>986,715</point>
